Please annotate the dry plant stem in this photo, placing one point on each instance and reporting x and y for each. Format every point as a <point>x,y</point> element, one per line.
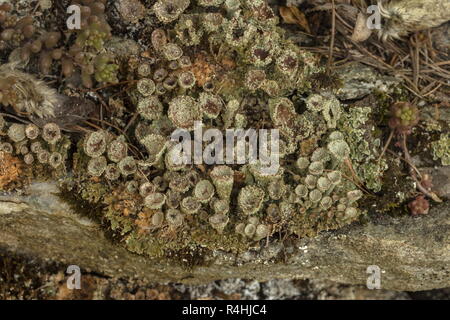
<point>388,142</point>
<point>333,32</point>
<point>14,117</point>
<point>412,172</point>
<point>132,120</point>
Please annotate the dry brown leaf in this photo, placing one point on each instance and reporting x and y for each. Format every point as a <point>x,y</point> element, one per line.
<point>361,32</point>
<point>293,15</point>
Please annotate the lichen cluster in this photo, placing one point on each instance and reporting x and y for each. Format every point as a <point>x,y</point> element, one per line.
<point>441,149</point>
<point>25,94</point>
<point>229,65</point>
<point>44,150</point>
<point>244,77</point>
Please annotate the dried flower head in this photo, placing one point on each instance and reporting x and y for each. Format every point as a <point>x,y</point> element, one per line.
<point>172,51</point>
<point>262,231</point>
<point>179,183</point>
<point>210,104</point>
<point>276,189</point>
<point>43,156</point>
<point>55,159</point>
<point>186,79</point>
<point>221,206</point>
<point>255,79</point>
<point>288,62</point>
<point>337,147</point>
<point>146,87</point>
<point>169,10</point>
<point>155,145</point>
<point>112,172</point>
<point>6,147</point>
<point>28,159</point>
<point>158,39</point>
<point>173,199</point>
<point>174,218</point>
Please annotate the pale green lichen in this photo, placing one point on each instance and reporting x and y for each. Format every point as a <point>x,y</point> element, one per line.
<point>359,132</point>
<point>441,149</point>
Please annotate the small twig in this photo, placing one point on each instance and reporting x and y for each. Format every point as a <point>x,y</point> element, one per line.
<point>109,85</point>
<point>133,118</point>
<point>14,117</point>
<point>355,179</point>
<point>333,33</point>
<point>388,142</point>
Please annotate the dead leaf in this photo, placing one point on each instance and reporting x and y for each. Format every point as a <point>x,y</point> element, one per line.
<point>293,15</point>
<point>361,32</point>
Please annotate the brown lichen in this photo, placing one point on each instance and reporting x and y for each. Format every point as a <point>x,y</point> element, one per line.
<point>10,170</point>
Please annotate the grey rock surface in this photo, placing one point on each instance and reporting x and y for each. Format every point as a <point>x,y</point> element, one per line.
<point>413,253</point>
<point>360,80</point>
<point>441,180</point>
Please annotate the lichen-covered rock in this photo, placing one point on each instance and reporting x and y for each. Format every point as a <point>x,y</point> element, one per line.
<point>360,80</point>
